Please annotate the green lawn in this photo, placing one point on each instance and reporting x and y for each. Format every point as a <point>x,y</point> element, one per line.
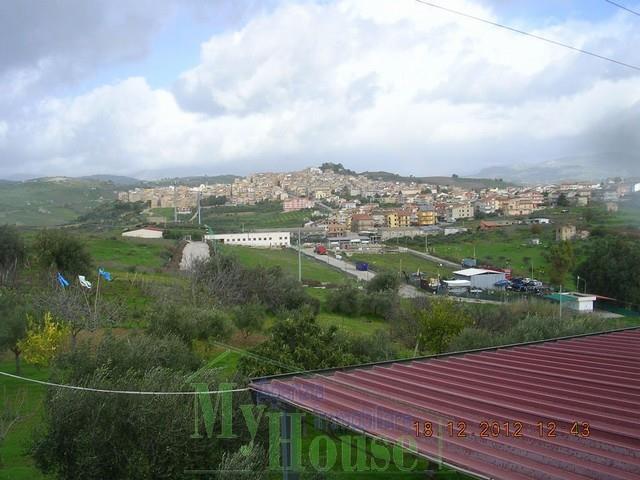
<point>235,219</point>
<point>357,325</point>
<point>288,260</point>
<point>166,212</point>
<point>503,248</point>
<point>15,464</point>
<point>401,262</point>
<point>121,253</point>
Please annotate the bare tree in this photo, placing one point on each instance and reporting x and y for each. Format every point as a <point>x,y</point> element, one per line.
<point>80,308</point>
<point>11,412</point>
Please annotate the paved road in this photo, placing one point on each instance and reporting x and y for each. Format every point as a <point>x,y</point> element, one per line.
<point>405,291</point>
<point>446,263</point>
<point>339,264</point>
<point>192,252</point>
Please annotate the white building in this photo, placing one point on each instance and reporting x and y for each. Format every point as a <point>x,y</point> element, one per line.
<point>480,277</point>
<point>146,232</point>
<point>580,302</point>
<point>255,239</point>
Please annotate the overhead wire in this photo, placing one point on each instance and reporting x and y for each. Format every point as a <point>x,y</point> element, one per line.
<point>528,34</point>
<point>120,392</point>
<point>623,7</point>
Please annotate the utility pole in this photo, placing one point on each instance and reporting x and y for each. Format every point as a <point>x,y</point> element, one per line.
<point>199,215</point>
<point>561,297</point>
<point>426,244</point>
<point>175,202</point>
<point>532,275</point>
<point>299,258</point>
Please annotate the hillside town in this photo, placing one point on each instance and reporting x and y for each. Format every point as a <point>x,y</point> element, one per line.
<point>351,203</point>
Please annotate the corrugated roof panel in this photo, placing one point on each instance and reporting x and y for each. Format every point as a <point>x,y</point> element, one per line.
<point>593,380</point>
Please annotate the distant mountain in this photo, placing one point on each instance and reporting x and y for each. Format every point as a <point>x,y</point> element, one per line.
<point>50,201</point>
<point>118,180</point>
<point>578,168</point>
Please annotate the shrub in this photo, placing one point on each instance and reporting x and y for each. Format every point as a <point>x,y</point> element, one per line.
<point>115,356</point>
<point>188,323</point>
<point>383,282</point>
<point>249,318</point>
<point>57,249</point>
<point>43,340</point>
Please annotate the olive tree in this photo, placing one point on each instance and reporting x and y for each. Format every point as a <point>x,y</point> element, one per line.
<point>12,253</point>
<point>13,324</point>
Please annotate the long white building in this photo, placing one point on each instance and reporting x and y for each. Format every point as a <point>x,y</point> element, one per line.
<point>255,239</point>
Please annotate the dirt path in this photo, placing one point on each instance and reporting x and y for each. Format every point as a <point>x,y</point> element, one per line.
<point>193,251</point>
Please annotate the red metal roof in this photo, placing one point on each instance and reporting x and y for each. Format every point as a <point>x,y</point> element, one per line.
<point>588,379</point>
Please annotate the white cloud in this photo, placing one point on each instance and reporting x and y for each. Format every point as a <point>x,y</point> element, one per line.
<point>369,82</point>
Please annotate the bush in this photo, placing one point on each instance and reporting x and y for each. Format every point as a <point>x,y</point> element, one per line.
<point>383,282</point>
<point>346,301</point>
<point>44,340</point>
<point>379,304</point>
<point>226,282</point>
<point>59,250</point>
<point>189,323</point>
<point>531,328</point>
<point>472,338</point>
<point>151,435</point>
<point>90,436</point>
<point>119,355</point>
<point>249,318</point>
<point>250,462</point>
<point>298,343</point>
<point>12,253</point>
<point>353,302</point>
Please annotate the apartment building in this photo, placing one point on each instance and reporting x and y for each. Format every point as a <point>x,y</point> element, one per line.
<point>361,221</point>
<point>427,216</point>
<point>398,219</point>
<point>297,203</point>
<point>460,211</point>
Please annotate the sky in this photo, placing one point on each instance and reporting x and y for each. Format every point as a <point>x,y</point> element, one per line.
<point>150,88</point>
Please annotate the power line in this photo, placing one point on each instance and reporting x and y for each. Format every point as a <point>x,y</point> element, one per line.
<point>532,35</point>
<point>121,392</point>
<point>623,7</point>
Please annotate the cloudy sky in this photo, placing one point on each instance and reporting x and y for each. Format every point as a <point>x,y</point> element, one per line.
<point>153,88</point>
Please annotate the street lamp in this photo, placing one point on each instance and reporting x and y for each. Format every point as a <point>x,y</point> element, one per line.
<point>578,278</point>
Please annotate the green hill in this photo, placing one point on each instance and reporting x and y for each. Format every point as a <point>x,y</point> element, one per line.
<point>51,201</point>
<point>192,181</point>
<point>453,181</point>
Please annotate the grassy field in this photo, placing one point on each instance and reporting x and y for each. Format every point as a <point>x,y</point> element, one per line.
<point>235,219</point>
<point>48,203</point>
<point>16,464</point>
<point>288,260</point>
<point>120,253</point>
<point>359,325</point>
<point>401,262</point>
<point>504,248</point>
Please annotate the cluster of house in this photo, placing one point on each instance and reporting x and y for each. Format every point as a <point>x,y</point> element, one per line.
<point>423,203</point>
<point>181,197</point>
